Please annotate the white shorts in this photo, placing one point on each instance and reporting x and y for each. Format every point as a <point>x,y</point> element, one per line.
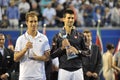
<point>30,78</point>
<point>70,75</point>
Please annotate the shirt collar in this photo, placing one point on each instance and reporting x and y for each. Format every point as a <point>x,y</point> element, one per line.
<point>90,45</point>
<point>2,48</point>
<point>38,35</point>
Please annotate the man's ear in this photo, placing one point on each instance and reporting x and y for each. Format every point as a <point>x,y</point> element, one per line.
<point>26,22</point>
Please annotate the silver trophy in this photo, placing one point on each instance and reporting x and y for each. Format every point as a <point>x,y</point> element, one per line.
<point>69,49</point>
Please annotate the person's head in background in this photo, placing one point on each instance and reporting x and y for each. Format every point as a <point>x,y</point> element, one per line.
<point>12,3</point>
<point>88,36</point>
<point>110,48</point>
<point>2,40</point>
<point>32,22</point>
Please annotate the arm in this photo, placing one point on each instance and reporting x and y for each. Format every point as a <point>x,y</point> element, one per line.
<point>115,66</point>
<point>44,57</point>
<point>84,50</point>
<point>56,51</point>
<point>115,60</point>
<point>98,64</point>
<point>9,62</point>
<point>110,62</point>
<point>19,54</point>
<point>99,61</point>
<point>86,71</point>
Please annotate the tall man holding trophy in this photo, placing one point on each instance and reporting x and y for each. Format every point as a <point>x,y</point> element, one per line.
<point>69,46</point>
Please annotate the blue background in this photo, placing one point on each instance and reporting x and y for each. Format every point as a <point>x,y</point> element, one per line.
<point>107,35</point>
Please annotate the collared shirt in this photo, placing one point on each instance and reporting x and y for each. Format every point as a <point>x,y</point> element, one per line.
<point>28,67</point>
<point>1,50</point>
<point>90,45</point>
<point>13,13</point>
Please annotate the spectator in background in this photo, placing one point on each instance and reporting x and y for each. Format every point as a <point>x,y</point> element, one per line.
<point>59,15</point>
<point>77,3</point>
<point>116,63</point>
<point>98,17</point>
<point>66,3</point>
<point>115,15</point>
<point>35,7</point>
<point>107,17</point>
<point>5,22</point>
<point>49,15</point>
<point>101,6</point>
<point>110,4</point>
<point>115,2</point>
<point>54,3</point>
<point>43,4</point>
<point>15,72</point>
<point>87,14</point>
<point>13,15</point>
<point>62,1</point>
<point>91,64</point>
<point>108,71</point>
<point>4,4</point>
<point>80,16</point>
<point>32,50</point>
<point>24,7</point>
<point>6,60</point>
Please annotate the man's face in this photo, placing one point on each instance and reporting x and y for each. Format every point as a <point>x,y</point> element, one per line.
<point>2,40</point>
<point>88,37</point>
<point>32,23</point>
<point>69,20</point>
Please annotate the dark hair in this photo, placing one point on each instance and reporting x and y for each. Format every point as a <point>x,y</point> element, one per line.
<point>110,46</point>
<point>31,14</point>
<point>1,34</point>
<point>87,31</point>
<point>68,11</point>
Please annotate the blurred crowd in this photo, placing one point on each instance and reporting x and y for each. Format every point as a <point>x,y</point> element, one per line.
<point>89,13</point>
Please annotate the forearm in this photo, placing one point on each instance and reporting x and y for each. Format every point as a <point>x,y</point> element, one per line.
<point>116,68</point>
<point>98,66</point>
<point>58,53</point>
<point>42,58</point>
<point>19,55</point>
<point>84,52</point>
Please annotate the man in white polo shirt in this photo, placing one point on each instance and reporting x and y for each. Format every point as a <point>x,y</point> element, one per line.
<point>32,50</point>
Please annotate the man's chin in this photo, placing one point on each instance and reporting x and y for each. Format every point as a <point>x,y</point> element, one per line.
<point>33,30</point>
<point>70,26</point>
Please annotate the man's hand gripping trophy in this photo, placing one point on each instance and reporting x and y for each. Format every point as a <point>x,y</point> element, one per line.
<point>70,50</point>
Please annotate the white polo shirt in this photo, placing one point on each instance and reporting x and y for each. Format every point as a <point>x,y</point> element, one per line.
<point>28,67</point>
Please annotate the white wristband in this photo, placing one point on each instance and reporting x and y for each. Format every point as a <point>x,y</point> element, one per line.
<point>79,51</point>
<point>7,74</point>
